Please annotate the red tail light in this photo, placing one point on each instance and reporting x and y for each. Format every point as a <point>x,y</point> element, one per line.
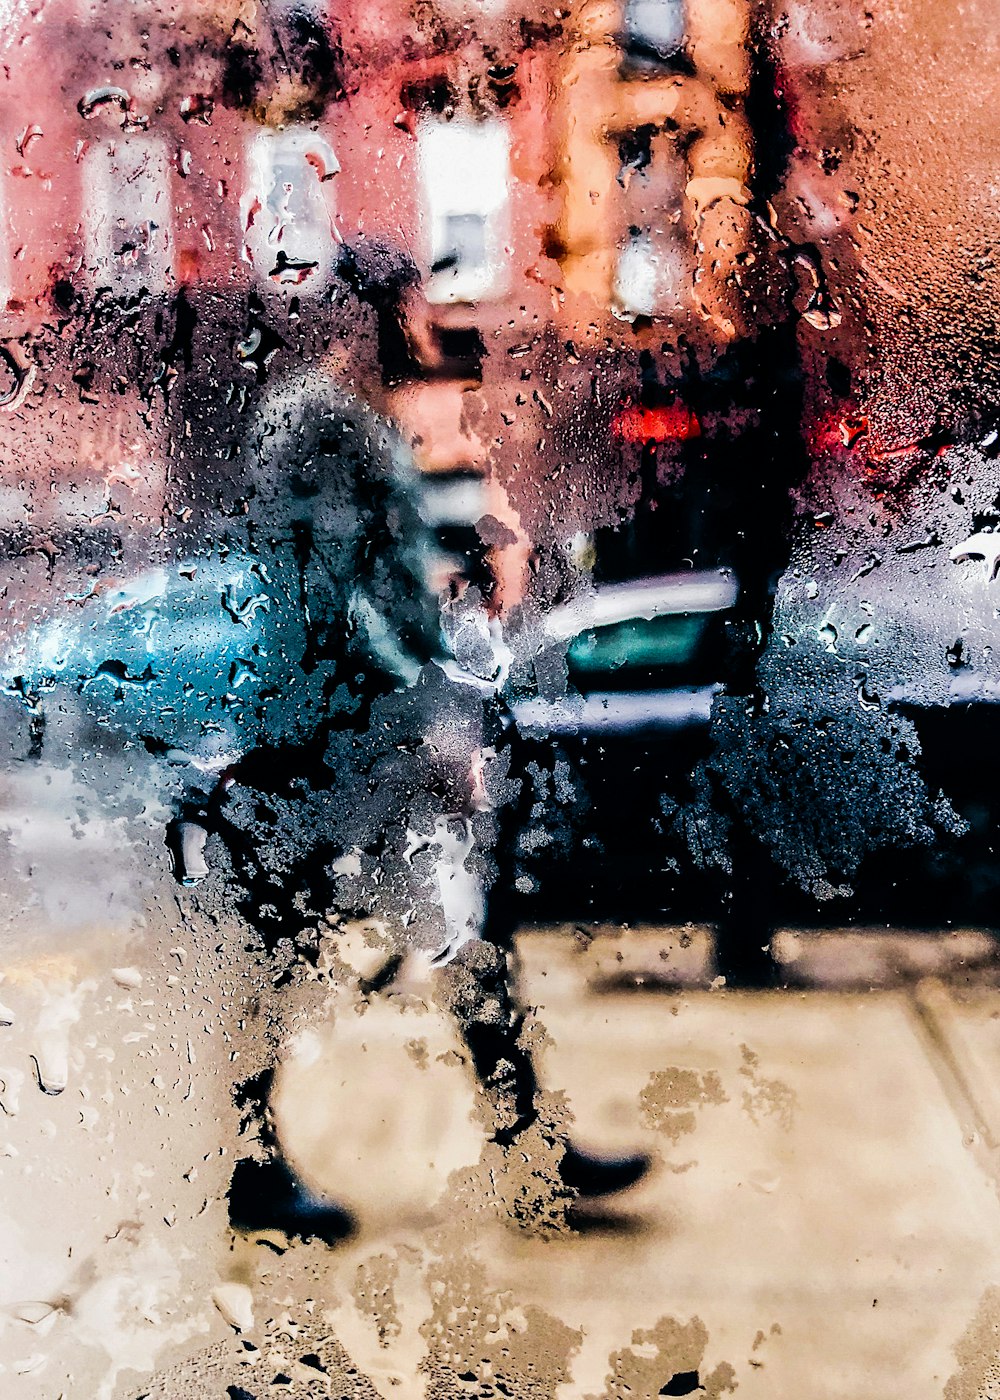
<point>674,423</point>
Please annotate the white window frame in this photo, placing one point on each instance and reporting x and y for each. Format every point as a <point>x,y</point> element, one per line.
<point>465,173</point>
<point>294,216</point>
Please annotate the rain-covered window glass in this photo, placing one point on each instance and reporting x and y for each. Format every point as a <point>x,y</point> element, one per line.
<point>499,681</point>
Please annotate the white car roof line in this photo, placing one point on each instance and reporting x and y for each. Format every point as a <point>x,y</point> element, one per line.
<point>661,596</point>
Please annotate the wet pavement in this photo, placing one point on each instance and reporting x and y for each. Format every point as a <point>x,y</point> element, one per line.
<point>823,1217</point>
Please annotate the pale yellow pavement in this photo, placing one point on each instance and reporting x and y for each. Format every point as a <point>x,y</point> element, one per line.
<point>823,1222</point>
<point>826,1194</point>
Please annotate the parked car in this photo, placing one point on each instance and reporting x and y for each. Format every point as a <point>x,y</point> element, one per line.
<point>641,657</point>
<point>618,706</point>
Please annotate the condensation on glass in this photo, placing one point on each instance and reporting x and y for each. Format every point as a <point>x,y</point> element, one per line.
<point>499,534</point>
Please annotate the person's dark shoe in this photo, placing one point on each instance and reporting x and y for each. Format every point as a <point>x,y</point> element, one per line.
<point>269,1196</point>
<point>590,1176</point>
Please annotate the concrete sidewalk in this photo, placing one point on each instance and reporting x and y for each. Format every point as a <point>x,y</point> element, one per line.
<point>823,1222</point>
<point>825,1200</point>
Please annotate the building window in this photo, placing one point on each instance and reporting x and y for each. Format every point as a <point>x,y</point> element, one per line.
<point>129,218</point>
<point>464,170</point>
<point>651,278</point>
<point>465,238</point>
<point>288,223</point>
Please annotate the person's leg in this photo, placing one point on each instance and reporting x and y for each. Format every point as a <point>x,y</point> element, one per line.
<point>265,1193</point>
<point>746,920</point>
<point>475,988</point>
<point>476,985</point>
<point>437,808</point>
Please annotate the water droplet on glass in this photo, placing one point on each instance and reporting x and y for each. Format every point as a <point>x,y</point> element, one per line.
<point>52,1068</point>
<point>235,1302</point>
<point>33,1312</point>
<point>16,376</point>
<point>104,98</point>
<point>866,699</point>
<point>11,1084</point>
<point>197,107</point>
